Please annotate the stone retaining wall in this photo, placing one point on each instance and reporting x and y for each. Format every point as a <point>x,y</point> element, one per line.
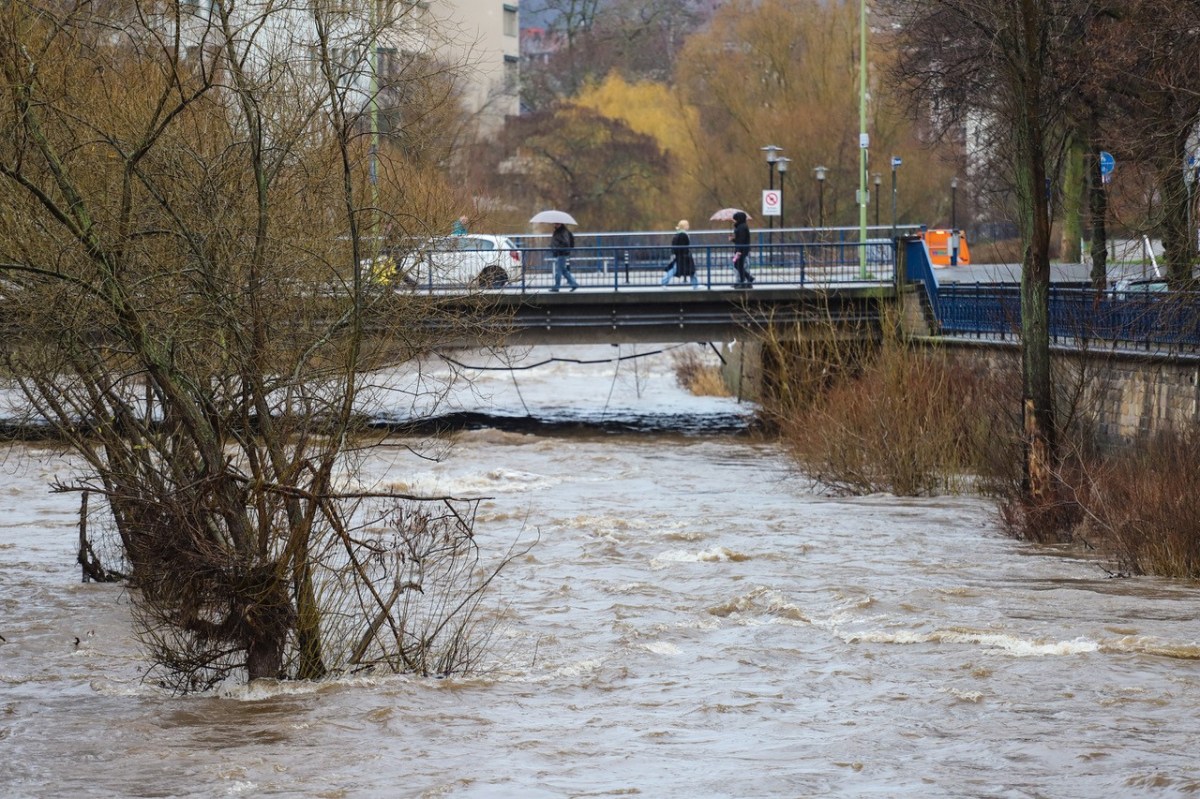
<point>1128,395</point>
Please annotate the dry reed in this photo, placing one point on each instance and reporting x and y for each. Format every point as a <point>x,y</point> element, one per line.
<point>698,376</point>
<point>1139,505</point>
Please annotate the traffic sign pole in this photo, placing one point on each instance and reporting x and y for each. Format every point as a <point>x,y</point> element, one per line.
<point>1107,165</point>
<point>896,162</point>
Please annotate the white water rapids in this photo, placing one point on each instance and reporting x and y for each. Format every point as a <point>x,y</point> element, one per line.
<point>694,621</point>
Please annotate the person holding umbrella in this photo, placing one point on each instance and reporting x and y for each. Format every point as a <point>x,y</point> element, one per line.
<point>741,251</point>
<point>562,241</point>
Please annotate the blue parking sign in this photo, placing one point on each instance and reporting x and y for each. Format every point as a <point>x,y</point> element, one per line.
<point>1107,163</point>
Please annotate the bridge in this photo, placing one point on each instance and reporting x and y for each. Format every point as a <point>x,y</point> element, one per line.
<point>1140,347</point>
<point>803,276</point>
<point>809,277</point>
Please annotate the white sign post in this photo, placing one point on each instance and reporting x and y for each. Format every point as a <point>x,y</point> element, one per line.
<point>772,200</point>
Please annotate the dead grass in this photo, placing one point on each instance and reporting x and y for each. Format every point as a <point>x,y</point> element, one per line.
<point>699,376</point>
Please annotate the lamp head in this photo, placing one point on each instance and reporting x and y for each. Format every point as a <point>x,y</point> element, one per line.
<point>772,152</point>
<point>781,163</point>
<point>821,173</point>
<point>954,182</point>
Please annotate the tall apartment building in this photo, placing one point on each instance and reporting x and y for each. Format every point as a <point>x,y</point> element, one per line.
<point>488,44</point>
<point>475,44</point>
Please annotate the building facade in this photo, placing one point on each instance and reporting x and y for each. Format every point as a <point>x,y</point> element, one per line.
<point>488,46</point>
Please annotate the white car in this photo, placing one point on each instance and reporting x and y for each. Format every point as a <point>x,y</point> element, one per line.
<point>470,259</point>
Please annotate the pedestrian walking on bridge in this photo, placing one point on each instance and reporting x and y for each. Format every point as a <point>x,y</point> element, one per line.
<point>741,251</point>
<point>682,264</point>
<point>562,242</point>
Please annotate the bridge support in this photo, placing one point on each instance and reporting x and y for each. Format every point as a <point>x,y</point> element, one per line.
<point>742,368</point>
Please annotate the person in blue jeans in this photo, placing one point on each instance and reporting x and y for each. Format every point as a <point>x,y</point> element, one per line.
<point>682,264</point>
<point>562,241</point>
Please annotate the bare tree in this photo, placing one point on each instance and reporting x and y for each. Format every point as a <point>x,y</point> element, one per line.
<point>1005,62</point>
<point>190,192</point>
<point>784,72</point>
<point>638,39</point>
<point>571,23</point>
<point>596,166</point>
<point>1145,70</point>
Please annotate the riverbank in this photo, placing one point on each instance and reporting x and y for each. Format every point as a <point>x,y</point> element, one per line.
<point>917,421</point>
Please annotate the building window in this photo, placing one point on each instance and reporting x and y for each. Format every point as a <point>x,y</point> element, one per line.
<point>512,74</point>
<point>511,25</point>
<point>386,63</point>
<point>346,62</point>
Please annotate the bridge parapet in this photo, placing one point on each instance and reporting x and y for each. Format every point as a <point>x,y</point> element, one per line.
<point>628,261</point>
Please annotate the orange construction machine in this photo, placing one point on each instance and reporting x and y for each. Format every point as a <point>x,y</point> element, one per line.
<point>947,247</point>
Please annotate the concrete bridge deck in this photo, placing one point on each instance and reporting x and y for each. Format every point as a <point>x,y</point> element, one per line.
<point>666,315</point>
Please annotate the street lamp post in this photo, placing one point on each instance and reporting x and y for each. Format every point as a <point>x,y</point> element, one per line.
<point>954,203</point>
<point>878,180</point>
<point>781,164</point>
<point>772,152</point>
<point>820,195</point>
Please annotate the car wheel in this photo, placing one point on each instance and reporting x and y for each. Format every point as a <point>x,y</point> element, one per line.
<point>492,277</point>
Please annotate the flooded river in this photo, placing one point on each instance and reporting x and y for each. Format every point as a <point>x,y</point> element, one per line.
<point>694,621</point>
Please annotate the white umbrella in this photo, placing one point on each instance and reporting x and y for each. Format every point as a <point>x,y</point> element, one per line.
<point>553,217</point>
<point>726,215</point>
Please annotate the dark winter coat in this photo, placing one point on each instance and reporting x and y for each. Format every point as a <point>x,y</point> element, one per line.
<point>681,254</point>
<point>741,234</point>
<point>562,242</point>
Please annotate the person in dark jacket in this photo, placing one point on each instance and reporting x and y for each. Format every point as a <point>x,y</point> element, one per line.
<point>741,251</point>
<point>682,264</point>
<point>562,241</point>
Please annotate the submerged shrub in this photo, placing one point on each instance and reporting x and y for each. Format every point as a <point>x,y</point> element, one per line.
<point>892,417</point>
<point>1140,505</point>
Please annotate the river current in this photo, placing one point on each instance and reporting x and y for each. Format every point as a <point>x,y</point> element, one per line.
<point>695,620</point>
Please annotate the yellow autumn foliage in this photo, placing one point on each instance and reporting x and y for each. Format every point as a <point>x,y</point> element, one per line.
<point>655,110</point>
<point>787,74</point>
<point>650,108</point>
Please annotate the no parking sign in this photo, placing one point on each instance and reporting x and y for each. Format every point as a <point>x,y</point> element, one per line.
<point>772,200</point>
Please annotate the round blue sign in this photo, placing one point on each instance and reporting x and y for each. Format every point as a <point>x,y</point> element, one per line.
<point>1107,163</point>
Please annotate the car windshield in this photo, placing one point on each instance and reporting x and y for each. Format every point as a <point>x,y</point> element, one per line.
<point>459,243</point>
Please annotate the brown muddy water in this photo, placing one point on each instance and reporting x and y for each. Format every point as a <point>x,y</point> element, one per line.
<point>695,621</point>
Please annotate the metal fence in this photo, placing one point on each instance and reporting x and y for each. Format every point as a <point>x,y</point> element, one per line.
<point>795,257</point>
<point>1151,321</point>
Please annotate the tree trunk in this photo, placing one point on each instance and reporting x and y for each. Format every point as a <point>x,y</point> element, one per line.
<point>1178,235</point>
<point>1072,194</point>
<point>1029,139</point>
<point>308,618</point>
<point>1098,205</point>
<point>264,659</point>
